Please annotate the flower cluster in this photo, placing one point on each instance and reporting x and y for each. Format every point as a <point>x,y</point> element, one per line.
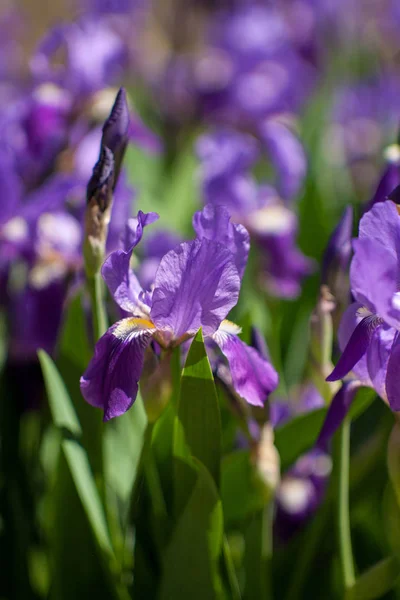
<point>196,285</point>
<point>226,158</point>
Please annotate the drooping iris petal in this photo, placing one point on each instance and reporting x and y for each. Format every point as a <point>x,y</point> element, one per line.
<point>287,155</point>
<point>378,354</point>
<point>352,316</point>
<point>356,347</point>
<point>116,271</point>
<point>373,276</point>
<point>213,223</point>
<point>337,411</point>
<point>111,380</point>
<point>393,375</point>
<point>196,286</point>
<point>253,377</point>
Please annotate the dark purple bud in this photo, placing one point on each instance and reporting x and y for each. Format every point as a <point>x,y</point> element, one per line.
<point>338,251</point>
<point>116,131</point>
<point>101,183</point>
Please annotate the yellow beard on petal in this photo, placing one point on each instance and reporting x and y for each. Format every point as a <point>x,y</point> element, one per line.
<point>132,324</point>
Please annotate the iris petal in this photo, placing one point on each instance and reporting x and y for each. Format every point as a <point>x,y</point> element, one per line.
<point>119,277</point>
<point>356,347</point>
<point>253,377</point>
<point>393,375</point>
<point>111,379</point>
<point>196,286</point>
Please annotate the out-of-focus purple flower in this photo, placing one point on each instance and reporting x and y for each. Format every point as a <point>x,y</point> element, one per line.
<point>390,179</point>
<point>338,251</point>
<point>246,69</point>
<point>227,157</point>
<point>300,492</point>
<point>274,227</point>
<point>196,285</point>
<point>287,156</point>
<point>95,56</point>
<point>303,486</point>
<point>368,334</point>
<point>364,117</point>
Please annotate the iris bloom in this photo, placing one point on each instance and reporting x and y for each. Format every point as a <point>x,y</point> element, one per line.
<point>369,331</point>
<point>227,158</point>
<point>195,286</point>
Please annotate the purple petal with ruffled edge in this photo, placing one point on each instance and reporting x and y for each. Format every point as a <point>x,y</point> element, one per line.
<point>287,155</point>
<point>337,411</point>
<point>213,223</point>
<point>111,380</point>
<point>356,347</point>
<point>116,271</point>
<point>196,286</point>
<point>253,377</point>
<point>393,375</point>
<point>382,224</point>
<point>373,277</point>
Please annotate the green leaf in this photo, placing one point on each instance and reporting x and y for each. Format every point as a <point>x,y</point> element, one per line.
<point>242,491</point>
<point>198,410</point>
<point>190,559</point>
<point>362,400</point>
<point>65,418</point>
<point>377,581</point>
<point>73,355</point>
<point>123,443</point>
<point>298,435</point>
<point>62,410</point>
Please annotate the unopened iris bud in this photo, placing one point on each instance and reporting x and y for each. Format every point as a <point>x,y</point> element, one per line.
<point>99,201</point>
<point>116,132</point>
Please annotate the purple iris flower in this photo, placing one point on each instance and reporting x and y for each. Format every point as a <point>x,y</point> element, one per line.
<point>226,159</point>
<point>95,56</point>
<point>196,285</point>
<point>302,487</point>
<point>368,334</point>
<point>247,70</point>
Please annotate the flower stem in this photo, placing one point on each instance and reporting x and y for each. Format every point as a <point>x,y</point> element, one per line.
<point>96,290</point>
<point>342,458</point>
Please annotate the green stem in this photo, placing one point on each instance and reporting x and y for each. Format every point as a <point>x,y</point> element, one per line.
<point>343,469</point>
<point>96,290</point>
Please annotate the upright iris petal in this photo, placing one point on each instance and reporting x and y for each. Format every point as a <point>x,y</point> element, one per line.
<point>116,271</point>
<point>196,285</point>
<point>213,223</point>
